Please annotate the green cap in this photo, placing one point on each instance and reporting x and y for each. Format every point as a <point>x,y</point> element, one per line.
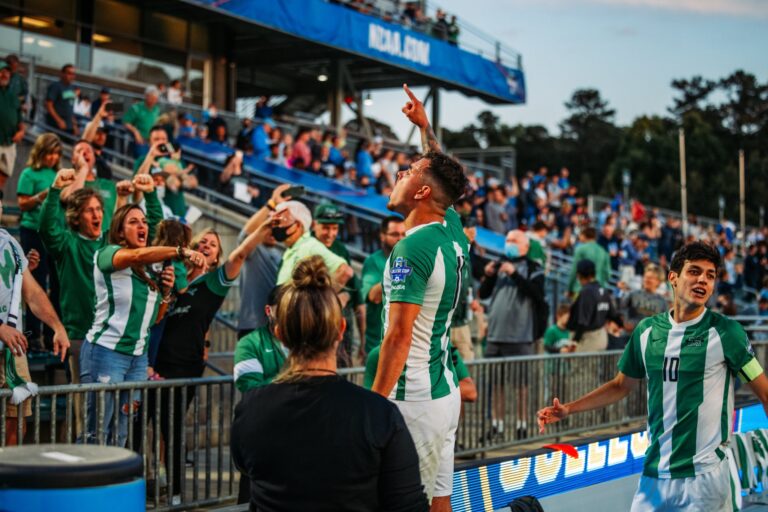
<point>328,214</point>
<point>3,64</point>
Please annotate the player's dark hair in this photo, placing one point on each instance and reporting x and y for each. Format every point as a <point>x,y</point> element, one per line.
<point>589,233</point>
<point>448,175</point>
<point>386,221</point>
<point>695,251</point>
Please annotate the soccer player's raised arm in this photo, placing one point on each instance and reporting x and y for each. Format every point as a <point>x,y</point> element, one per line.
<point>414,111</point>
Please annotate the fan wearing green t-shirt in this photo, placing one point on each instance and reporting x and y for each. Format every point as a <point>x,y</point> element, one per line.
<point>422,283</point>
<point>44,158</point>
<point>128,303</point>
<point>392,231</point>
<point>84,162</point>
<point>72,245</point>
<point>690,357</point>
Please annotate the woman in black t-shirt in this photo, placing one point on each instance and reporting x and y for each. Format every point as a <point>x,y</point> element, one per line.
<point>182,350</point>
<point>312,440</point>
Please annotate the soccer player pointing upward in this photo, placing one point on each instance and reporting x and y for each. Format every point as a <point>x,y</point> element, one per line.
<point>422,285</point>
<point>690,356</point>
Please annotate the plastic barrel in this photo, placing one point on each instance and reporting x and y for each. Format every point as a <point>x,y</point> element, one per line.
<point>68,477</point>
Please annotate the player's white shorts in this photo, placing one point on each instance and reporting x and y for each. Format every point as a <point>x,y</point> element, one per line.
<point>433,425</point>
<point>702,493</point>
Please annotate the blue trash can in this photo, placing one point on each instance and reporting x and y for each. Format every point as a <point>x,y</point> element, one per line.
<point>69,477</point>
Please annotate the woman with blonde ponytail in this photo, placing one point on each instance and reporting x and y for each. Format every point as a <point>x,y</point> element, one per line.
<point>312,440</point>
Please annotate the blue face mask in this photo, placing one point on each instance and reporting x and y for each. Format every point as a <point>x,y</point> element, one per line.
<point>511,250</point>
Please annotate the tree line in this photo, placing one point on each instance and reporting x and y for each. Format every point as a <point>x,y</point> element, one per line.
<point>719,118</point>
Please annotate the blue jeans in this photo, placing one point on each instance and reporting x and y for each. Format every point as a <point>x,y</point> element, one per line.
<point>102,365</point>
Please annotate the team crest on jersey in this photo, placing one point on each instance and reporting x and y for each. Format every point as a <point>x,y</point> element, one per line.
<point>695,341</point>
<point>400,270</point>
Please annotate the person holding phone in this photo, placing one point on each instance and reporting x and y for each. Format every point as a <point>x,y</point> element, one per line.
<point>183,349</point>
<point>163,157</point>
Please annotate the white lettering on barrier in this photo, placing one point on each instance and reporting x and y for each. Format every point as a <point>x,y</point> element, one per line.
<point>595,456</point>
<point>546,466</point>
<point>617,451</point>
<point>575,466</point>
<point>639,444</point>
<point>514,473</point>
<point>390,42</point>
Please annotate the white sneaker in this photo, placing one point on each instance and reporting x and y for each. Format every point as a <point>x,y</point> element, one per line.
<point>176,499</point>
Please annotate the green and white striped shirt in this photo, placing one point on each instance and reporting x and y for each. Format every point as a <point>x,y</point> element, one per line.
<point>126,307</point>
<point>690,368</point>
<point>426,268</point>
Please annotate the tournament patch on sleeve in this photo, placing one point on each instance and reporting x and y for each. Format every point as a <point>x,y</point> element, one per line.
<point>408,277</point>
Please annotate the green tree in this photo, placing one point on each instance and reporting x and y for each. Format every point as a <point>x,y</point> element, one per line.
<point>590,140</point>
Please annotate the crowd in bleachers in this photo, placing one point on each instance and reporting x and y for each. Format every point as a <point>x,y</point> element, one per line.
<point>137,287</point>
<point>411,15</point>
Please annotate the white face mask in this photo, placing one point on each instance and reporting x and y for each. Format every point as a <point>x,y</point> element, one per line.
<point>160,192</point>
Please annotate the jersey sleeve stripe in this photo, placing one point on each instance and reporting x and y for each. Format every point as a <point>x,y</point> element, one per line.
<point>248,366</point>
<point>750,371</point>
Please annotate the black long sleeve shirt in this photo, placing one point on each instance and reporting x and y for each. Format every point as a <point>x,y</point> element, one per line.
<point>324,444</point>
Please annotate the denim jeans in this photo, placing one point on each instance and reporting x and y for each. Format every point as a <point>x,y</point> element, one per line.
<point>102,365</point>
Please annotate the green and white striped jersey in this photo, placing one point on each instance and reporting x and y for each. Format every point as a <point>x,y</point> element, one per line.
<point>426,268</point>
<point>126,307</point>
<point>690,368</point>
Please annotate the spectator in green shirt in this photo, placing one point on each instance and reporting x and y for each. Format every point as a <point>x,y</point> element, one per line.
<point>589,249</point>
<point>392,231</point>
<point>327,222</point>
<point>84,161</point>
<point>32,189</point>
<point>259,356</point>
<point>142,116</point>
<point>165,160</point>
<point>11,125</point>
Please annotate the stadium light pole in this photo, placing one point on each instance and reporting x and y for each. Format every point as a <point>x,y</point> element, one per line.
<point>742,205</point>
<point>683,186</point>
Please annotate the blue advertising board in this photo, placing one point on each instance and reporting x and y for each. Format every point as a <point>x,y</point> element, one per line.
<point>493,486</point>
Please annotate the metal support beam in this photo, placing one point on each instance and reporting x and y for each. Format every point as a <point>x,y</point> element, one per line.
<point>435,92</point>
<point>336,95</point>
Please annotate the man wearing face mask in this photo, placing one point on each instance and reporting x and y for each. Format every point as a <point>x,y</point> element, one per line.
<point>515,286</point>
<point>291,224</point>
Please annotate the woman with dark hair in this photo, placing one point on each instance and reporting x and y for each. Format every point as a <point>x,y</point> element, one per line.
<point>354,449</point>
<point>128,303</point>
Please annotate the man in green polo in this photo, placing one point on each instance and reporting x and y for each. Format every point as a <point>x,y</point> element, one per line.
<point>291,225</point>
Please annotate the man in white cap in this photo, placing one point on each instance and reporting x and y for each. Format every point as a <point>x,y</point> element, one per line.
<point>291,224</point>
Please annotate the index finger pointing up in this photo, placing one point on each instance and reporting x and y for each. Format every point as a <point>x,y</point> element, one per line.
<point>410,93</point>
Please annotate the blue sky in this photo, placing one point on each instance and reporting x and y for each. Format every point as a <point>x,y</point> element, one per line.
<point>630,50</point>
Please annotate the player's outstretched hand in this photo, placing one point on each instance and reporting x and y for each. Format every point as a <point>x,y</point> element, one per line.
<point>551,414</point>
<point>414,109</point>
